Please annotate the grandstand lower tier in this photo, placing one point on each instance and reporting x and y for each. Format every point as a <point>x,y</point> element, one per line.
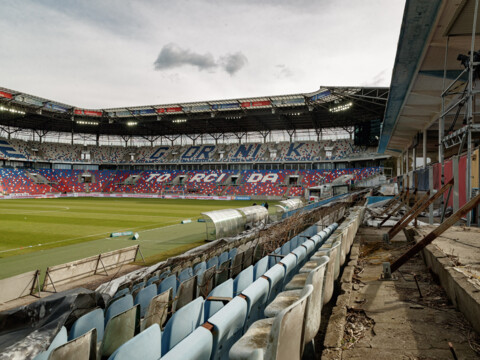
<point>277,183</point>
<point>250,301</point>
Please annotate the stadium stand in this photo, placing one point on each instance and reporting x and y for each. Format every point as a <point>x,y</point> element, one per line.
<point>307,151</point>
<point>197,182</point>
<point>240,318</point>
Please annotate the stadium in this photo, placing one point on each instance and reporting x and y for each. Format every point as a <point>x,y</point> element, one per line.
<point>331,224</point>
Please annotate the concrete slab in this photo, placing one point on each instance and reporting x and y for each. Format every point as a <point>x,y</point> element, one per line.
<point>407,323</point>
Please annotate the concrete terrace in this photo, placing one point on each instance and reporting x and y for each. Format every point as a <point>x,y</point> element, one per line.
<point>395,319</point>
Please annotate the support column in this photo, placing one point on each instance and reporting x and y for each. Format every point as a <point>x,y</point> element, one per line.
<point>424,149</point>
<point>456,185</point>
<point>430,186</point>
<point>414,159</point>
<point>402,163</point>
<point>407,167</point>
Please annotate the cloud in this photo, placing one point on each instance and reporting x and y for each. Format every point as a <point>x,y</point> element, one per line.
<point>232,63</point>
<point>173,56</point>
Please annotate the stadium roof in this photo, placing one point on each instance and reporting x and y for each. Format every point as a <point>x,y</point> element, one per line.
<point>415,102</point>
<point>328,107</point>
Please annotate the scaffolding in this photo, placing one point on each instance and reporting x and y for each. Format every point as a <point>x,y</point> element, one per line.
<point>464,98</point>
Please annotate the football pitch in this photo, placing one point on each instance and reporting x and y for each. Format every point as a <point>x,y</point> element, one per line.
<point>37,233</point>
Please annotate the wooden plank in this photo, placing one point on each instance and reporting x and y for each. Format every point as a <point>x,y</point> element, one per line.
<point>435,233</point>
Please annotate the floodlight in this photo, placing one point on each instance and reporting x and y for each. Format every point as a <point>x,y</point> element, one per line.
<point>341,107</point>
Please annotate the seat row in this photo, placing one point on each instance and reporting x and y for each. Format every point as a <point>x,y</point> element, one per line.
<point>293,317</point>
<point>208,326</point>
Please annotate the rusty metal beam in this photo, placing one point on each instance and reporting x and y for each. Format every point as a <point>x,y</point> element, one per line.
<point>394,211</point>
<point>404,221</point>
<point>391,203</point>
<point>435,233</point>
<point>408,213</point>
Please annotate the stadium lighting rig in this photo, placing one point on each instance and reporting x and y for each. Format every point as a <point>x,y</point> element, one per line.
<point>179,121</point>
<point>85,122</point>
<point>14,111</point>
<point>341,107</point>
<point>132,123</point>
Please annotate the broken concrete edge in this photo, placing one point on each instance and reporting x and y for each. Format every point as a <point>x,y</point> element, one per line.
<point>463,295</point>
<point>338,319</point>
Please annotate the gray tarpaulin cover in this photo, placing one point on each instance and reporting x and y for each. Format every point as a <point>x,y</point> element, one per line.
<point>28,330</point>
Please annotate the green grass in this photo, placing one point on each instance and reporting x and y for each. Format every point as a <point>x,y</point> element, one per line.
<point>38,233</point>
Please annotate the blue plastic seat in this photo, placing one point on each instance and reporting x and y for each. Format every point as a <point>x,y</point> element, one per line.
<point>223,257</point>
<point>309,246</point>
<point>243,280</point>
<point>301,253</point>
<point>294,242</point>
<point>256,295</point>
<point>223,290</point>
<point>275,277</point>
<point>92,320</point>
<point>276,338</point>
<point>185,274</point>
<point>137,286</point>
<point>232,253</point>
<point>152,280</point>
<point>290,265</point>
<point>181,324</point>
<point>316,239</point>
<point>272,260</point>
<point>146,346</point>
<point>323,237</point>
<point>199,269</point>
<point>212,262</point>
<point>228,324</point>
<point>121,293</point>
<point>196,346</point>
<point>118,306</point>
<point>144,296</point>
<point>260,267</point>
<point>285,249</point>
<point>167,283</point>
<point>59,339</point>
<point>164,274</point>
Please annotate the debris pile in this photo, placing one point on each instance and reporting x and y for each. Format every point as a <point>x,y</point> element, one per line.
<point>358,325</point>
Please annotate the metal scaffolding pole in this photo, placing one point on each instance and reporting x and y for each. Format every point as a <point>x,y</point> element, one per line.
<point>464,134</point>
<point>471,98</point>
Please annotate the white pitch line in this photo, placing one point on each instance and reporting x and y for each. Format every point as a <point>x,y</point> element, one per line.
<point>23,212</point>
<point>81,237</point>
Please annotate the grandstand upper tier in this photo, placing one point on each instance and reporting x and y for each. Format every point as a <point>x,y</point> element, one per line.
<point>325,108</point>
<point>300,151</point>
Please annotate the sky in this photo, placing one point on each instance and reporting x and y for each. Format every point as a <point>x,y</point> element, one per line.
<point>116,53</point>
